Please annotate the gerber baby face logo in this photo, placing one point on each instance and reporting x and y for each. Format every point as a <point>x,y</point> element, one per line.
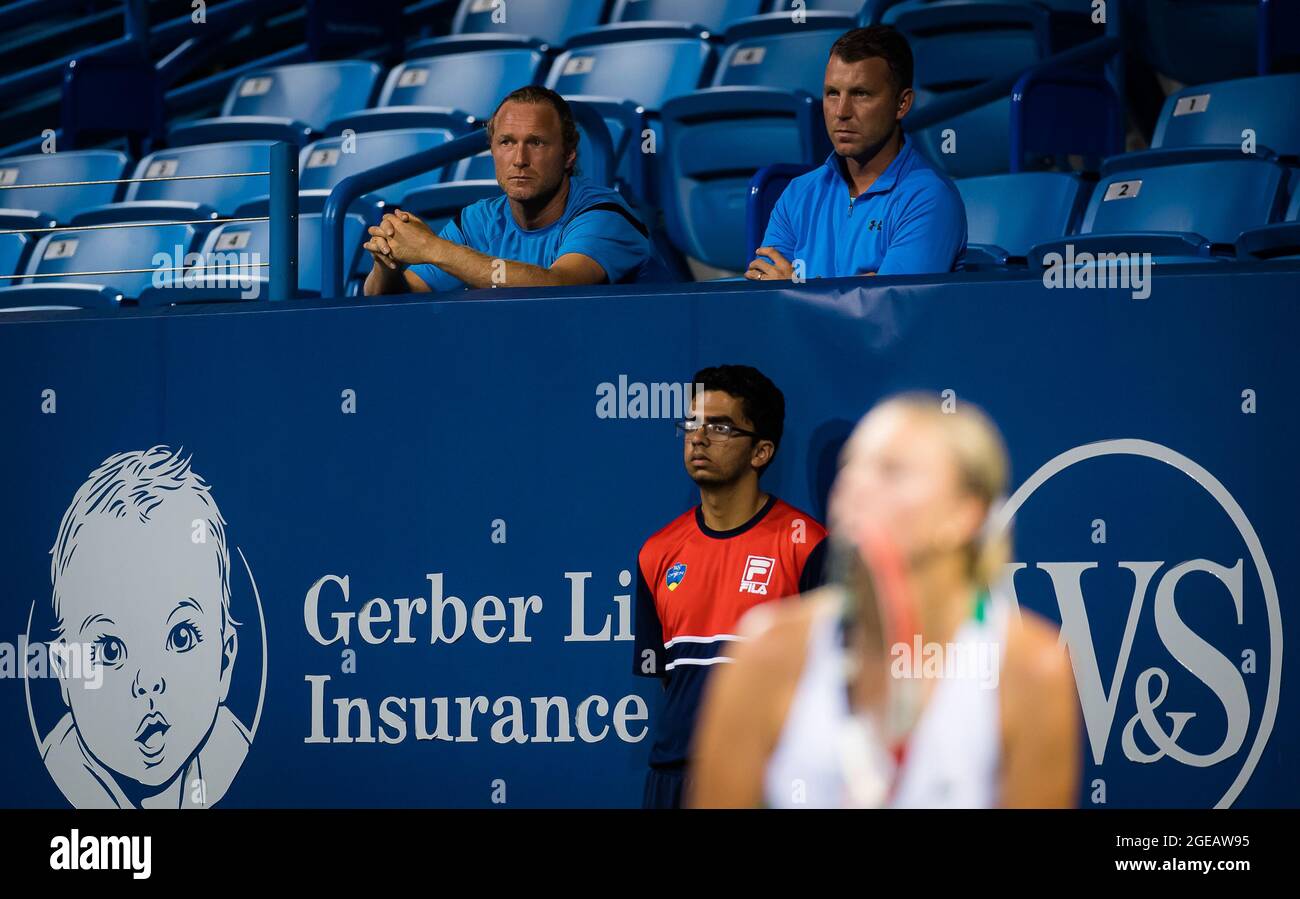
<point>1170,613</point>
<point>675,575</point>
<point>141,580</point>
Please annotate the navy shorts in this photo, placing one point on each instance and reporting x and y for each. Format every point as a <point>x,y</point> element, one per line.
<point>663,787</point>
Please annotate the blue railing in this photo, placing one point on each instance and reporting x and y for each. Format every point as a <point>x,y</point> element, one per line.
<point>283,224</point>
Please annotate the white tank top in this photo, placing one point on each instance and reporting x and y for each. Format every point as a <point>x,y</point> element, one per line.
<point>952,757</point>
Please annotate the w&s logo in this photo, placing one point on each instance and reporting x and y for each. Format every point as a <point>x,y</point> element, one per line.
<point>1170,613</point>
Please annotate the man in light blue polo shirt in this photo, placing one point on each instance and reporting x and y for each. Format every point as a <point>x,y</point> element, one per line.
<point>876,207</point>
<point>549,228</point>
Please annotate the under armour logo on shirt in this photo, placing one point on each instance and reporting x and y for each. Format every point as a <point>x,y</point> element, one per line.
<point>875,225</point>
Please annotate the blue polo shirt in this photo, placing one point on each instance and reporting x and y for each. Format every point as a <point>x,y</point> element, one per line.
<point>596,223</point>
<point>911,221</point>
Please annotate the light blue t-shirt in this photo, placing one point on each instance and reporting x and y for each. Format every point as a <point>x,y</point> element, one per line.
<point>596,223</point>
<point>911,221</point>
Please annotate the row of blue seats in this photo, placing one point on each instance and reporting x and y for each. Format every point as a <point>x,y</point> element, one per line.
<point>1179,186</point>
<point>162,263</point>
<point>558,21</point>
<point>1191,211</point>
<point>1013,219</point>
<point>1221,114</point>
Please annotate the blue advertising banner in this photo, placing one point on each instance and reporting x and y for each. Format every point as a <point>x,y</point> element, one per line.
<point>405,576</point>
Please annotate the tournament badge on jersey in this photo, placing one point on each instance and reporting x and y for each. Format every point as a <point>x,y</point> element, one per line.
<point>675,575</point>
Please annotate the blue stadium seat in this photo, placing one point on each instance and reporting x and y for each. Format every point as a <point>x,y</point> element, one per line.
<point>451,75</point>
<point>850,7</point>
<point>1008,214</point>
<point>646,64</point>
<point>764,107</point>
<point>980,138</point>
<point>956,39</point>
<point>626,72</point>
<point>1196,41</point>
<point>959,45</point>
<point>60,203</point>
<point>289,103</point>
<point>232,250</point>
<point>59,257</point>
<point>714,15</point>
<point>16,245</point>
<point>1154,201</point>
<point>772,51</point>
<point>1219,113</point>
<point>553,21</point>
<point>324,163</point>
<point>49,297</point>
<point>13,253</point>
<point>189,200</point>
<point>480,168</point>
<point>874,11</point>
<point>1277,241</point>
<point>707,161</point>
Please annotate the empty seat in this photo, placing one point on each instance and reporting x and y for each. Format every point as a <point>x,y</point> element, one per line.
<point>479,168</point>
<point>1276,241</point>
<point>625,73</point>
<point>232,251</point>
<point>841,6</point>
<point>650,67</point>
<point>966,145</point>
<point>289,103</point>
<point>48,297</point>
<point>324,163</point>
<point>190,199</point>
<point>13,253</point>
<point>554,21</point>
<point>470,80</point>
<point>1196,41</point>
<point>1008,214</point>
<point>712,14</point>
<point>1220,113</point>
<point>773,51</point>
<point>60,203</point>
<point>145,255</point>
<point>17,240</point>
<point>1176,210</point>
<point>960,45</point>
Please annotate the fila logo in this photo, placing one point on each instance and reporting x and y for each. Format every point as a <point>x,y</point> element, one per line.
<point>758,571</point>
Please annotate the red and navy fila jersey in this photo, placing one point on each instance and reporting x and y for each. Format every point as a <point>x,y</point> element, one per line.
<point>695,584</point>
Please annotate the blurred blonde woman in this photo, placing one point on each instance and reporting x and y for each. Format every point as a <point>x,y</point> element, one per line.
<point>989,719</point>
